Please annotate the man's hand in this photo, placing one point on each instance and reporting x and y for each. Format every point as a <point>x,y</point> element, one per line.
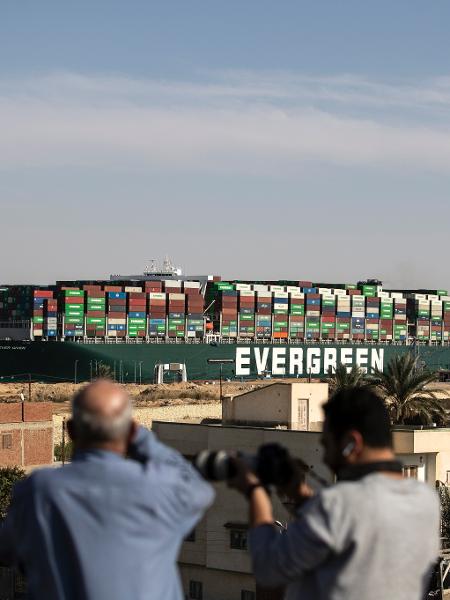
<point>244,479</point>
<point>297,490</point>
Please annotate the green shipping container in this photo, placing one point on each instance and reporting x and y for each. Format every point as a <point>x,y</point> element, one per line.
<point>74,307</point>
<point>72,293</point>
<point>38,319</point>
<point>74,313</point>
<point>75,320</point>
<point>95,321</point>
<point>331,303</point>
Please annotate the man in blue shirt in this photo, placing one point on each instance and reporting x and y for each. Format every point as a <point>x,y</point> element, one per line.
<point>109,525</point>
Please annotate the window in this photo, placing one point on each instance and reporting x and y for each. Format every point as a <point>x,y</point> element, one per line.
<point>190,536</point>
<point>196,590</point>
<point>247,595</point>
<point>410,471</point>
<point>6,441</point>
<point>238,539</point>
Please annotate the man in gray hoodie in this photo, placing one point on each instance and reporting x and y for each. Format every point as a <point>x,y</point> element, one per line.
<point>372,536</point>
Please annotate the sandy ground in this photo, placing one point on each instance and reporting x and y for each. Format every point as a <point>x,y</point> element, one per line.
<point>190,401</point>
<point>169,402</point>
<point>193,413</point>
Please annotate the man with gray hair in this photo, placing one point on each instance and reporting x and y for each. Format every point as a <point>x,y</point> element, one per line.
<point>109,525</point>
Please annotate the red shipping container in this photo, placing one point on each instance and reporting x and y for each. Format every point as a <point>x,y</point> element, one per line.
<point>74,300</point>
<point>43,294</point>
<point>117,315</point>
<point>113,288</point>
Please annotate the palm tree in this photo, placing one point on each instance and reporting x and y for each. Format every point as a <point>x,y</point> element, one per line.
<point>408,392</point>
<point>342,379</point>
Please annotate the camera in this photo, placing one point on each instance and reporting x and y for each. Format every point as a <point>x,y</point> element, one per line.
<point>272,464</point>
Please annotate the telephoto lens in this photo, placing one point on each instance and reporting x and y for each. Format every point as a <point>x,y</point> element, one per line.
<point>215,466</point>
<point>273,465</point>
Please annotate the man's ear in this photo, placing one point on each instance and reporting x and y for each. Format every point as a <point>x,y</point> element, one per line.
<point>353,444</point>
<point>71,430</point>
<point>133,431</point>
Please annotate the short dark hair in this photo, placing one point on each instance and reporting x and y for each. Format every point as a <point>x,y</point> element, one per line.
<point>360,409</point>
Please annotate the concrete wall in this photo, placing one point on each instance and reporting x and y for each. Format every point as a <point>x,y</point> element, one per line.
<point>225,571</point>
<point>217,585</point>
<point>266,406</point>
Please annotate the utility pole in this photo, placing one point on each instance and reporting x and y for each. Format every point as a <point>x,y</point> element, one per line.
<point>75,372</point>
<point>29,387</point>
<point>63,442</point>
<point>220,362</point>
<point>140,372</point>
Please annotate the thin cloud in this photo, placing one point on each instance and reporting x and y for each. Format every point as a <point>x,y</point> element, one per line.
<point>236,123</point>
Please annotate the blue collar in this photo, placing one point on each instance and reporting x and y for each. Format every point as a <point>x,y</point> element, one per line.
<point>96,454</point>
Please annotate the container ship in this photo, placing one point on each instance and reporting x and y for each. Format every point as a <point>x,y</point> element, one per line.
<point>139,327</point>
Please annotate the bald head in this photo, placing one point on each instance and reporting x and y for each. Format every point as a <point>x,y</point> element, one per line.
<point>101,414</point>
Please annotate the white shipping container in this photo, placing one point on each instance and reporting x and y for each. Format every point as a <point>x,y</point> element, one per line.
<point>339,292</point>
<point>133,289</point>
<point>277,306</point>
<point>293,289</point>
<point>297,295</point>
<point>176,296</point>
<point>328,297</point>
<point>397,295</point>
<point>358,313</point>
<point>325,291</point>
<point>243,287</point>
<point>117,321</point>
<point>157,296</point>
<point>260,288</point>
<point>432,297</point>
<point>172,283</point>
<point>436,304</point>
<point>192,284</point>
<point>276,288</point>
<point>247,294</point>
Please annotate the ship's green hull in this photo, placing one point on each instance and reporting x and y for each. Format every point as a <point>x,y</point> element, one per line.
<point>56,361</point>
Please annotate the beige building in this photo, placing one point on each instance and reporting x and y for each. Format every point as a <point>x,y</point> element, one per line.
<point>294,405</point>
<point>214,561</point>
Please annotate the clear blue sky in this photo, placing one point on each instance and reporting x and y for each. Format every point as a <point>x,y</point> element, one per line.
<point>250,139</point>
